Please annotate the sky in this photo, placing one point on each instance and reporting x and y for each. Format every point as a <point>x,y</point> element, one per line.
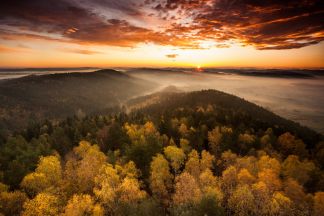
<point>162,33</point>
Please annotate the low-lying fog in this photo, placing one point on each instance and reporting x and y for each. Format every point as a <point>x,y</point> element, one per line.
<point>297,99</point>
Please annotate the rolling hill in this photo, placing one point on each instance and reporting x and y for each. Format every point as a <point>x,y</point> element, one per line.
<point>61,95</point>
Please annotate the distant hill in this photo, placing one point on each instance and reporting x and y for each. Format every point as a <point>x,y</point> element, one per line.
<point>61,95</point>
<point>229,110</point>
<point>46,69</point>
<point>276,73</point>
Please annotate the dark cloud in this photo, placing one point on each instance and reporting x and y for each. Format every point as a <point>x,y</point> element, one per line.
<point>72,22</point>
<point>269,24</point>
<point>272,24</point>
<point>130,7</point>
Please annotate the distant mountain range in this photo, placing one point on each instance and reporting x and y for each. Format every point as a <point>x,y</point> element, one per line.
<point>280,73</point>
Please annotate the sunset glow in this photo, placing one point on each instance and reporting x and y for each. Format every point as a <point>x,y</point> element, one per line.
<point>160,33</point>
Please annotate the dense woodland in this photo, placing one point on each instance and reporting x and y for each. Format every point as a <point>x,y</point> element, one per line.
<point>199,153</point>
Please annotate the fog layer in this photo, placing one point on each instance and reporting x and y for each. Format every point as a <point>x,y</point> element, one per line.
<point>297,99</point>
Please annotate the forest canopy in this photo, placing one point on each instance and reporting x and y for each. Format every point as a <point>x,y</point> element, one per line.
<point>188,154</point>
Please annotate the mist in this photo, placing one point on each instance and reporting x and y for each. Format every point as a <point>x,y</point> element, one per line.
<point>297,99</point>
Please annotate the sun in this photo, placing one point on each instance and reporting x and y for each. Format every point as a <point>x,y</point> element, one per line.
<point>199,68</point>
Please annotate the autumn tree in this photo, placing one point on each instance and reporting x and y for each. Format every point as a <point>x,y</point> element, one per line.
<point>245,177</point>
<point>263,199</point>
<point>185,145</point>
<point>183,130</point>
<point>210,186</point>
<point>129,191</point>
<point>228,158</point>
<point>160,178</point>
<point>207,161</point>
<point>193,164</point>
<point>106,184</point>
<point>82,204</point>
<point>214,140</point>
<point>301,202</point>
<point>246,141</point>
<point>186,190</point>
<point>318,204</point>
<point>42,204</point>
<point>176,156</point>
<point>229,180</point>
<point>271,179</point>
<point>145,143</point>
<point>113,189</point>
<point>266,162</point>
<point>281,204</point>
<point>288,144</point>
<point>292,167</point>
<point>48,174</point>
<point>82,167</point>
<point>11,203</point>
<point>219,139</point>
<point>241,201</point>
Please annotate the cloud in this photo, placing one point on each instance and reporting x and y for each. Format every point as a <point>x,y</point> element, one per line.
<point>81,51</point>
<point>7,49</point>
<point>130,7</point>
<point>269,24</point>
<point>72,23</point>
<point>272,24</point>
<point>172,56</point>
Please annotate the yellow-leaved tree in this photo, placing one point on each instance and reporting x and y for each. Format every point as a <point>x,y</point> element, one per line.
<point>176,156</point>
<point>82,167</point>
<point>160,178</point>
<point>186,190</point>
<point>47,176</point>
<point>82,204</point>
<point>42,204</point>
<point>113,189</point>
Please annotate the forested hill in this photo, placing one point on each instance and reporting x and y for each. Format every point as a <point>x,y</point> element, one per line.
<point>196,154</point>
<point>227,109</point>
<point>62,95</point>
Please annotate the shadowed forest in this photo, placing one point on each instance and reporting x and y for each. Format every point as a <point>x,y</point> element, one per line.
<point>166,153</point>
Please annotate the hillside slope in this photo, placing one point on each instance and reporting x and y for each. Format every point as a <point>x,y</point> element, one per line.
<point>61,95</point>
<point>227,109</point>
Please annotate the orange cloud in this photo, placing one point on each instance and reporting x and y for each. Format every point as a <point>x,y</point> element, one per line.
<point>82,51</point>
<point>171,55</point>
<point>6,49</point>
<point>269,24</point>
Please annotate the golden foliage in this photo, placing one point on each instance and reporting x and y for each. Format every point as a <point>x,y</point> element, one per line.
<point>42,204</point>
<point>242,201</point>
<point>83,204</point>
<point>83,166</point>
<point>11,203</point>
<point>160,177</point>
<point>319,203</point>
<point>176,156</point>
<point>296,169</point>
<point>47,174</point>
<point>186,189</point>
